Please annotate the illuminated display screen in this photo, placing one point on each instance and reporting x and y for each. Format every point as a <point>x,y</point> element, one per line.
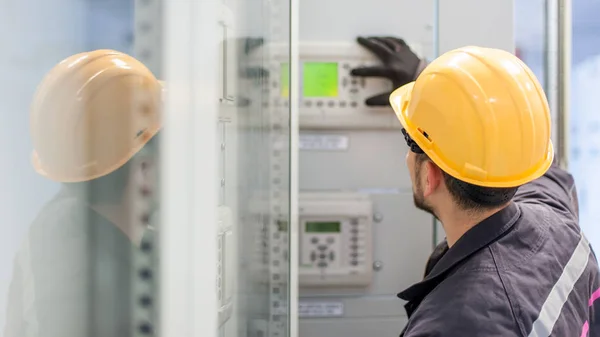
<point>320,79</point>
<point>284,78</point>
<point>323,227</point>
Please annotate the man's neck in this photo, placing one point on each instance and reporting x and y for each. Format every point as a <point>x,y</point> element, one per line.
<point>457,222</point>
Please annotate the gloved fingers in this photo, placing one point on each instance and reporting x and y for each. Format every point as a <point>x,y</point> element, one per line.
<point>376,47</point>
<point>254,72</point>
<point>251,43</point>
<point>390,44</point>
<point>398,44</point>
<point>376,71</point>
<point>379,100</point>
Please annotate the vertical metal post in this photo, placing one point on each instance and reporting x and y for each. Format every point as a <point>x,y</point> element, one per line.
<point>557,72</point>
<point>189,191</point>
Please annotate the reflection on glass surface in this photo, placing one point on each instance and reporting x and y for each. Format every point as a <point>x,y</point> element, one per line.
<point>79,217</point>
<point>253,133</point>
<point>86,263</point>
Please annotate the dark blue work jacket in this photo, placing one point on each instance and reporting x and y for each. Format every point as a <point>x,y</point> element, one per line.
<point>525,271</point>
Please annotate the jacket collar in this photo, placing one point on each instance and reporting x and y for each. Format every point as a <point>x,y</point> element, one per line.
<point>478,237</point>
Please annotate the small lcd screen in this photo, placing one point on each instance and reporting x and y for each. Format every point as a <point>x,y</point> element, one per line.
<point>284,78</point>
<point>323,227</point>
<point>320,79</point>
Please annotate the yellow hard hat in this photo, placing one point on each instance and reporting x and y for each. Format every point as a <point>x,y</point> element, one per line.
<point>91,113</point>
<point>481,115</point>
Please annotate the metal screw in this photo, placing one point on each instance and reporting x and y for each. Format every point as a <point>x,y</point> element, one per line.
<point>222,182</point>
<point>377,265</point>
<point>378,217</point>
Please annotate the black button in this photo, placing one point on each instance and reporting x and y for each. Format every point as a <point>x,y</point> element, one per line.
<point>314,240</point>
<point>354,255</point>
<point>354,91</point>
<point>145,273</point>
<point>322,256</point>
<point>354,104</point>
<point>322,247</point>
<point>146,246</point>
<point>354,263</point>
<point>355,231</point>
<point>331,256</point>
<point>313,256</point>
<point>354,221</point>
<point>322,264</point>
<point>330,240</point>
<point>354,239</point>
<point>354,247</point>
<point>145,328</point>
<point>319,104</point>
<point>145,301</point>
<point>354,82</point>
<point>308,103</point>
<point>331,104</point>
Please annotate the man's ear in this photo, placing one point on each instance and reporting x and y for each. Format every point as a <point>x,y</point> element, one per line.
<point>433,176</point>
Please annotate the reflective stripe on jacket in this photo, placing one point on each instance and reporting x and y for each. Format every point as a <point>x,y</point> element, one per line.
<point>525,271</point>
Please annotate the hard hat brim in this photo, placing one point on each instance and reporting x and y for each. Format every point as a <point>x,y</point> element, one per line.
<point>400,102</point>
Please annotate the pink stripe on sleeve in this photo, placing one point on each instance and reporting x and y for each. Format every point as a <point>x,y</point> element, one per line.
<point>594,297</point>
<point>585,329</point>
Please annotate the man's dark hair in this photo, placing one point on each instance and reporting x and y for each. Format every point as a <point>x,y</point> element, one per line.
<point>471,197</point>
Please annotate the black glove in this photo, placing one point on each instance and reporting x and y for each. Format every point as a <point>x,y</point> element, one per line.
<point>246,45</point>
<point>400,65</point>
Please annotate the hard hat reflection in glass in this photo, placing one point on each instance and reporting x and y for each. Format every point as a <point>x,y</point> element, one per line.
<point>91,114</point>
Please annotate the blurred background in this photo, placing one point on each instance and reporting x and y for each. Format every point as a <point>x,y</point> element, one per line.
<point>336,166</point>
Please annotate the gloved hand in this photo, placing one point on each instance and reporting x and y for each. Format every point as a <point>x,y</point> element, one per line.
<point>246,45</point>
<point>400,65</point>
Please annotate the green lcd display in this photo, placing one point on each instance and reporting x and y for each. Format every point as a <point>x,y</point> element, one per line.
<point>323,227</point>
<point>284,78</point>
<point>320,79</point>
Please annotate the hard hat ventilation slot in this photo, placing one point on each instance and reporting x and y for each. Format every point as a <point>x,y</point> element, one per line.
<point>425,134</point>
<point>139,133</point>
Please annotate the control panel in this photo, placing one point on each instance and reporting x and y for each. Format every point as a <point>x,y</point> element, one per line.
<point>225,264</point>
<point>335,239</point>
<point>330,97</point>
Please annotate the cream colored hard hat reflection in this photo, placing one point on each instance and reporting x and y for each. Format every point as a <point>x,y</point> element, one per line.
<point>91,113</point>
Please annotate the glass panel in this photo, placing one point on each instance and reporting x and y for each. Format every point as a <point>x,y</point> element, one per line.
<point>254,147</point>
<point>79,196</point>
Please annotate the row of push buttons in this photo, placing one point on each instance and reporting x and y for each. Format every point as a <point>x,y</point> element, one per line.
<point>354,245</point>
<point>331,104</point>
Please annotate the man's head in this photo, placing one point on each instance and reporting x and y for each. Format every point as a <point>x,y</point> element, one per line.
<point>477,123</point>
<point>93,117</point>
<point>429,180</point>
